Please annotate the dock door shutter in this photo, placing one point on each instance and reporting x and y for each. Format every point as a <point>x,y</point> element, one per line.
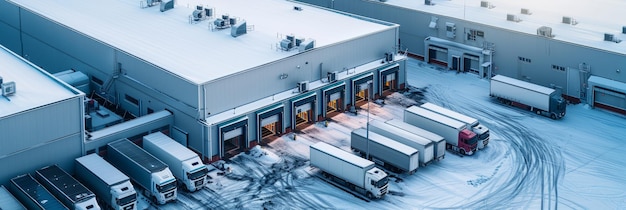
<point>302,103</point>
<point>332,93</point>
<point>334,96</point>
<point>236,127</point>
<point>360,83</point>
<point>389,74</point>
<point>233,133</point>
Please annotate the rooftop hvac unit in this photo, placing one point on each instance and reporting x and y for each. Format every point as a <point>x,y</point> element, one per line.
<point>198,14</point>
<point>238,29</point>
<point>611,38</point>
<point>219,23</point>
<point>306,45</point>
<point>526,11</point>
<point>208,12</point>
<point>624,29</point>
<point>152,2</point>
<point>299,41</point>
<point>297,8</point>
<point>303,86</point>
<point>332,76</point>
<point>225,17</point>
<point>512,17</point>
<point>486,4</point>
<point>428,2</point>
<point>286,44</point>
<point>8,88</point>
<point>545,31</point>
<point>569,20</point>
<point>167,5</point>
<point>232,21</point>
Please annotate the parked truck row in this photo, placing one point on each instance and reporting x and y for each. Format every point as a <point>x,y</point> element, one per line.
<point>386,152</point>
<point>480,130</point>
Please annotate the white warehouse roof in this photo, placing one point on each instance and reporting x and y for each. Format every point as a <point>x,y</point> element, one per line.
<point>192,51</point>
<point>594,18</point>
<point>34,87</point>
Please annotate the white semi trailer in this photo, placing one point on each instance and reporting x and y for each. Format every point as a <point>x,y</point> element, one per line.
<point>439,142</point>
<point>424,146</point>
<point>458,138</point>
<point>356,173</point>
<point>386,152</point>
<point>152,175</point>
<point>69,191</point>
<point>184,163</point>
<point>34,195</point>
<point>112,187</point>
<point>479,129</point>
<point>536,98</point>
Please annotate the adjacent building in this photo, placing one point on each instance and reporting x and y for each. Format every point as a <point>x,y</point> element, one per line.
<point>563,44</point>
<point>41,120</point>
<point>232,73</point>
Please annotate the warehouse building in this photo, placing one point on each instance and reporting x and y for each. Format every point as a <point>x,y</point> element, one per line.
<point>559,43</point>
<point>32,105</point>
<point>232,73</point>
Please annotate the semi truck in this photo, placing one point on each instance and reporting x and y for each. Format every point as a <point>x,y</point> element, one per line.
<point>480,130</point>
<point>439,143</point>
<point>458,138</point>
<point>424,146</point>
<point>386,152</point>
<point>184,163</point>
<point>7,201</point>
<point>112,187</point>
<point>539,99</point>
<point>33,195</point>
<point>356,173</point>
<point>148,172</point>
<point>68,190</point>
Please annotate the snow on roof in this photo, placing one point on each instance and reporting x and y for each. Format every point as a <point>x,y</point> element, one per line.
<point>607,83</point>
<point>386,141</point>
<point>520,83</point>
<point>34,87</point>
<point>193,51</point>
<point>341,154</point>
<point>594,18</point>
<point>435,116</point>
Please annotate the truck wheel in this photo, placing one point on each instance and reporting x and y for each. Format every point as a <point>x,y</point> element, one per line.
<point>369,195</point>
<point>462,151</point>
<point>539,112</point>
<point>553,116</point>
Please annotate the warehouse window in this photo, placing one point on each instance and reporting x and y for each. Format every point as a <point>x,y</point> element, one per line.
<point>473,33</point>
<point>522,59</point>
<point>131,100</point>
<point>557,67</point>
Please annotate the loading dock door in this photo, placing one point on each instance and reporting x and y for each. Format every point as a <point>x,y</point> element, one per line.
<point>573,83</point>
<point>303,112</point>
<point>333,99</point>
<point>609,99</point>
<point>360,89</point>
<point>233,136</point>
<point>269,122</point>
<point>389,79</point>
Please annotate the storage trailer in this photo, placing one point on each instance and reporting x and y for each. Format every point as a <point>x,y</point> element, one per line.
<point>145,170</point>
<point>386,152</point>
<point>112,187</point>
<point>424,146</point>
<point>184,163</point>
<point>439,143</point>
<point>536,98</point>
<point>458,138</point>
<point>356,173</point>
<point>34,195</point>
<point>68,190</point>
<point>480,130</point>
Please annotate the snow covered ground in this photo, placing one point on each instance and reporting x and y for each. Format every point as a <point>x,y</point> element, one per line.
<point>531,162</point>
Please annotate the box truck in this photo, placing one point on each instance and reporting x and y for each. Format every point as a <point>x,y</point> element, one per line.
<point>112,187</point>
<point>33,195</point>
<point>439,143</point>
<point>356,173</point>
<point>458,138</point>
<point>7,201</point>
<point>184,163</point>
<point>388,153</point>
<point>424,146</point>
<point>480,130</point>
<point>66,189</point>
<point>148,172</point>
<point>539,99</point>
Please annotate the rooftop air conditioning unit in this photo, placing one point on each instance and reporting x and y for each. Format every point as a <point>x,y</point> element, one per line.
<point>198,14</point>
<point>286,44</point>
<point>8,88</point>
<point>611,38</point>
<point>486,4</point>
<point>526,11</point>
<point>299,41</point>
<point>303,86</point>
<point>569,20</point>
<point>545,31</point>
<point>306,45</point>
<point>239,29</point>
<point>428,2</point>
<point>167,5</point>
<point>624,29</point>
<point>513,18</point>
<point>332,76</point>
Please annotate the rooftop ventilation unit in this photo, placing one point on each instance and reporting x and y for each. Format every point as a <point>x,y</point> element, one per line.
<point>224,22</point>
<point>306,45</point>
<point>611,38</point>
<point>239,29</point>
<point>513,18</point>
<point>198,14</point>
<point>332,76</point>
<point>624,29</point>
<point>297,8</point>
<point>526,11</point>
<point>303,86</point>
<point>569,20</point>
<point>486,4</point>
<point>428,2</point>
<point>288,43</point>
<point>8,89</point>
<point>299,41</point>
<point>545,31</point>
<point>167,5</point>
